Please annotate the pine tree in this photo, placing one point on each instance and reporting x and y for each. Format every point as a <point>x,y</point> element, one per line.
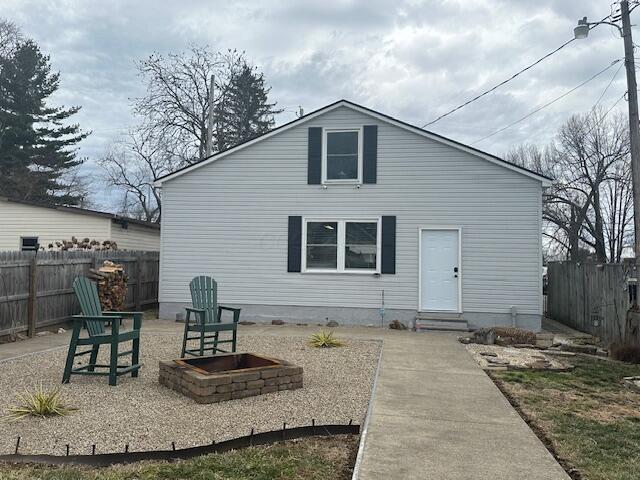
<point>36,148</point>
<point>246,111</point>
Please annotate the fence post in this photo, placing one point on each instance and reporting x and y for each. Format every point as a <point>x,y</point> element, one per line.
<point>138,291</point>
<point>31,302</point>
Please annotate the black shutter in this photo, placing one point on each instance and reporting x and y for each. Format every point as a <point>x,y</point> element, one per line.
<point>388,244</point>
<point>295,244</point>
<point>314,168</point>
<point>370,154</point>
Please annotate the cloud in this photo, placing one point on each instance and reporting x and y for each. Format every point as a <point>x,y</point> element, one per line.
<point>410,59</point>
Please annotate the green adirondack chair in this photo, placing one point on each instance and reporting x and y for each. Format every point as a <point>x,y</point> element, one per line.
<point>94,320</point>
<point>208,319</point>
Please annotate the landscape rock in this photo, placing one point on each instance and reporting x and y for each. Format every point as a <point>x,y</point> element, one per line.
<point>484,336</point>
<point>538,364</point>
<point>497,361</point>
<point>61,330</point>
<point>277,322</point>
<point>573,347</point>
<point>397,325</point>
<point>43,333</point>
<point>493,356</point>
<point>631,382</point>
<point>544,340</point>
<point>560,353</point>
<point>246,322</point>
<point>332,323</point>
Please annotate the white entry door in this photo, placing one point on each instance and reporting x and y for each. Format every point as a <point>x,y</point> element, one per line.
<point>439,270</point>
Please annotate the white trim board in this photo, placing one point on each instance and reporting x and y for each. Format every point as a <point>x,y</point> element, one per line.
<point>546,182</point>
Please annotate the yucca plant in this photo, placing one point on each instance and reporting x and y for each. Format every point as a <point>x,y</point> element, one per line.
<point>40,403</point>
<point>324,339</point>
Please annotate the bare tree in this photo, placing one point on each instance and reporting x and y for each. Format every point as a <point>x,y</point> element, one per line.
<point>133,165</point>
<point>79,185</point>
<point>177,98</point>
<point>589,207</point>
<point>177,102</point>
<point>174,123</point>
<point>10,37</point>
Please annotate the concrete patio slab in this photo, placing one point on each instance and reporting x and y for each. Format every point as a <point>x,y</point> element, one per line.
<point>443,399</point>
<point>416,448</point>
<point>436,414</point>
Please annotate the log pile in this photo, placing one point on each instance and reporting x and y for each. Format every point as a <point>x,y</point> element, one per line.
<point>112,286</point>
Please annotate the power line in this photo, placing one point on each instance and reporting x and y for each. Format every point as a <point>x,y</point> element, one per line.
<point>599,121</point>
<point>548,103</point>
<point>499,84</point>
<point>510,78</point>
<point>608,85</point>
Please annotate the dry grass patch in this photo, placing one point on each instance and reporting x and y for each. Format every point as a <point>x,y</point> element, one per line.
<point>586,416</point>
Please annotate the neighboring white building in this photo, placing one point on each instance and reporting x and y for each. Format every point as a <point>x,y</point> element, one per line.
<point>324,216</point>
<point>26,224</point>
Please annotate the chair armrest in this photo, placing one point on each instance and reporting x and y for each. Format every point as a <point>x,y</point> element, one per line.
<point>121,314</point>
<point>115,325</point>
<point>229,308</point>
<point>236,312</point>
<point>100,318</point>
<point>137,317</point>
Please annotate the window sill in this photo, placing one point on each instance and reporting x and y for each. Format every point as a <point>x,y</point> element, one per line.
<point>341,182</point>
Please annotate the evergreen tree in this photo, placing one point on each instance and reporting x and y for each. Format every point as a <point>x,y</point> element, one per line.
<point>36,149</point>
<point>245,108</point>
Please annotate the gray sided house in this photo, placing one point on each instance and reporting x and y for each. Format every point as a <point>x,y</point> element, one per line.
<point>331,215</point>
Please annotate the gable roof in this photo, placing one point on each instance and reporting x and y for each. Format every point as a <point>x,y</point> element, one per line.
<point>84,211</point>
<point>546,181</point>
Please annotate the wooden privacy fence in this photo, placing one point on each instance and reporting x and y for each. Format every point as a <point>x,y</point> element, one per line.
<point>36,290</point>
<point>592,298</point>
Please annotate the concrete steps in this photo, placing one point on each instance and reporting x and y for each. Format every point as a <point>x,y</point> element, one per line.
<point>426,321</point>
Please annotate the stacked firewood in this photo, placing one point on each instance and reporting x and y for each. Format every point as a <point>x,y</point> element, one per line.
<point>112,285</point>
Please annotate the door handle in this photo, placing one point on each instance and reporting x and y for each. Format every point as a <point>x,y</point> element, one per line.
<point>455,269</point>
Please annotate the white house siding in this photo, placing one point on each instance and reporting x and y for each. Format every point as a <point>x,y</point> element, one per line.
<point>135,237</point>
<point>49,225</point>
<point>228,219</point>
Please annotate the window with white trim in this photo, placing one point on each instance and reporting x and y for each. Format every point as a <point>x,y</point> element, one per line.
<point>342,156</point>
<point>345,246</point>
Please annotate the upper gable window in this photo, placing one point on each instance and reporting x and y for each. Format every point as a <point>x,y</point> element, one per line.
<point>342,160</point>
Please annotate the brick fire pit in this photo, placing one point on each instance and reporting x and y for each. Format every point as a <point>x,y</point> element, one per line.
<point>219,378</point>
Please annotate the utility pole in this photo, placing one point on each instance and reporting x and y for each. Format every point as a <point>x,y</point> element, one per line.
<point>582,31</point>
<point>209,149</point>
<point>634,127</point>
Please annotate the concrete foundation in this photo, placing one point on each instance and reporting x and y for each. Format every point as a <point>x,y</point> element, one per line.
<point>354,316</point>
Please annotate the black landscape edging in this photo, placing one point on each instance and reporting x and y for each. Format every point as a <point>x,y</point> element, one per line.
<point>253,439</point>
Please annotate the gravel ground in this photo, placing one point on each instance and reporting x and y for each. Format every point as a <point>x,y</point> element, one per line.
<point>144,414</point>
<point>517,357</point>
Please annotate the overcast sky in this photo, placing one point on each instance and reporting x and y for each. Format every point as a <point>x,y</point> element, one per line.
<point>409,59</point>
